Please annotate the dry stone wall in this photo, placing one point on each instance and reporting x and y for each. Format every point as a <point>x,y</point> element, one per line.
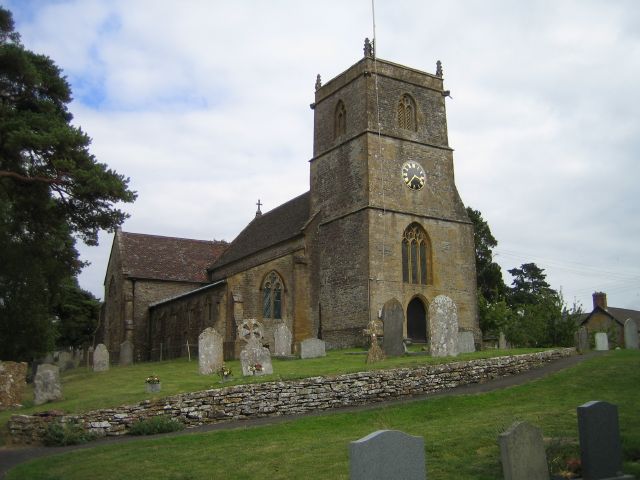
<point>290,397</point>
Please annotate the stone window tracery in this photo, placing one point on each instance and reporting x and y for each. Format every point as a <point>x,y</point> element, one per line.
<point>407,113</point>
<point>416,256</point>
<point>272,296</point>
<point>340,120</point>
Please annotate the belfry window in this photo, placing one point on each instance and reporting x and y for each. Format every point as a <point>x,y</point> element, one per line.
<point>340,120</point>
<point>416,255</point>
<point>407,113</point>
<point>272,296</point>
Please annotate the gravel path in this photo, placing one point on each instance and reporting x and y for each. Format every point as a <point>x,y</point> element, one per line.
<point>12,456</point>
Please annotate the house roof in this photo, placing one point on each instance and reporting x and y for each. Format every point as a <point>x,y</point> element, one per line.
<point>280,224</point>
<point>619,315</point>
<point>167,258</point>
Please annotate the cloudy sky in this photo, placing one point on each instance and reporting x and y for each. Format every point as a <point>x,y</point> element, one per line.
<point>205,106</point>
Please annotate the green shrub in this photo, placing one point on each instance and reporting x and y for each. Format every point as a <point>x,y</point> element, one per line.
<point>155,425</point>
<point>60,434</point>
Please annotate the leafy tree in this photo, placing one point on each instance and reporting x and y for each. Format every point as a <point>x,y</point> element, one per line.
<point>77,315</point>
<point>488,273</point>
<point>51,190</point>
<point>529,285</point>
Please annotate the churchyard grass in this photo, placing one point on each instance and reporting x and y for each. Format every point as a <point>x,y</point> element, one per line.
<point>460,434</point>
<point>85,390</point>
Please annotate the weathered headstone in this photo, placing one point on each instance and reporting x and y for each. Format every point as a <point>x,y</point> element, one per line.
<point>373,331</point>
<point>90,351</point>
<point>582,340</point>
<point>65,361</point>
<point>522,453</point>
<point>602,341</point>
<point>466,342</point>
<point>282,340</point>
<point>387,454</point>
<point>101,358</point>
<point>312,348</point>
<point>393,322</point>
<point>502,342</point>
<point>13,381</point>
<point>443,327</point>
<point>600,447</point>
<point>126,353</point>
<point>255,359</point>
<point>630,334</point>
<point>47,386</point>
<point>210,351</point>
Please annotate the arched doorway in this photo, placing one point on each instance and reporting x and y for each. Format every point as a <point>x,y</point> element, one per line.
<point>417,321</point>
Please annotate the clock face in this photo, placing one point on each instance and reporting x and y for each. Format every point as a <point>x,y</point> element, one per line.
<point>413,175</point>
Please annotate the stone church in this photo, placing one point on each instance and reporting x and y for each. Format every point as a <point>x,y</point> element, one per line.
<point>382,222</point>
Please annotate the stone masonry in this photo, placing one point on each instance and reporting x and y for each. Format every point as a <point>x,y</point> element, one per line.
<point>291,397</point>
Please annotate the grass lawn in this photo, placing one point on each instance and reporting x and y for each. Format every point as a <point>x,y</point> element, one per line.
<point>460,434</point>
<point>85,390</point>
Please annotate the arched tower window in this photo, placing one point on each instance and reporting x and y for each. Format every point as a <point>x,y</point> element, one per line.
<point>416,255</point>
<point>272,296</point>
<point>407,113</point>
<point>340,120</point>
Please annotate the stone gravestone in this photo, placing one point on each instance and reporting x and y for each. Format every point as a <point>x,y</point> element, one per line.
<point>210,352</point>
<point>65,361</point>
<point>254,358</point>
<point>522,453</point>
<point>13,381</point>
<point>126,353</point>
<point>630,334</point>
<point>443,327</point>
<point>254,354</point>
<point>282,340</point>
<point>600,447</point>
<point>312,348</point>
<point>582,340</point>
<point>502,342</point>
<point>387,455</point>
<point>602,341</point>
<point>47,386</point>
<point>101,358</point>
<point>90,351</point>
<point>393,322</point>
<point>466,342</point>
<point>374,330</point>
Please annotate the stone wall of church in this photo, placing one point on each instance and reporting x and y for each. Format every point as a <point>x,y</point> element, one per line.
<point>344,274</point>
<point>452,263</point>
<point>248,286</point>
<point>174,324</point>
<point>599,322</point>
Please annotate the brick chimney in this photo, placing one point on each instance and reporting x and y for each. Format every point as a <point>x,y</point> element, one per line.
<point>599,300</point>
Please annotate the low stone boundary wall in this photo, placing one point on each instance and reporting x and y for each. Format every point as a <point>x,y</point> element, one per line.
<point>289,397</point>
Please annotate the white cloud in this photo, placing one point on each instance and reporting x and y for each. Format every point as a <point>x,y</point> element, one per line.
<point>205,105</point>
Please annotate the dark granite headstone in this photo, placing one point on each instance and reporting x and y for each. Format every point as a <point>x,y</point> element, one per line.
<point>393,322</point>
<point>387,454</point>
<point>600,447</point>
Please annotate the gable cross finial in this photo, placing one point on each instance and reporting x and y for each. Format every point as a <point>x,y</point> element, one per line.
<point>258,212</point>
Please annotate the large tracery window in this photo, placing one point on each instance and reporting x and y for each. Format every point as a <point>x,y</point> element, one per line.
<point>407,113</point>
<point>416,253</point>
<point>340,120</point>
<point>272,296</point>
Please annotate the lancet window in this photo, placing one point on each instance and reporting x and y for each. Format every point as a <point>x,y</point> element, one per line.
<point>416,255</point>
<point>272,296</point>
<point>407,113</point>
<point>340,120</point>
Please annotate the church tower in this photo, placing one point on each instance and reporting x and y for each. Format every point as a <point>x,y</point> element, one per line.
<point>389,223</point>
